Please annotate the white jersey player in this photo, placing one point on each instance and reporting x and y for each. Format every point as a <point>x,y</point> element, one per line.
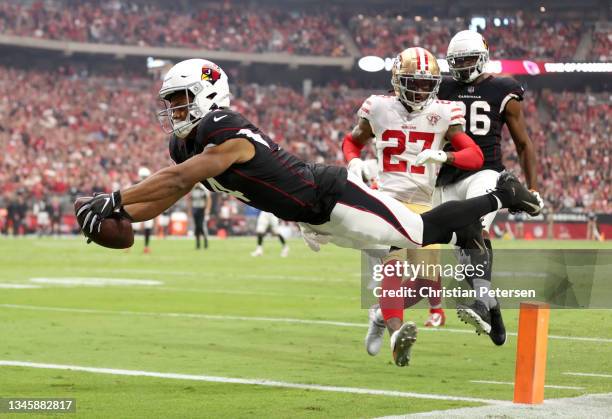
<point>266,221</point>
<point>411,128</point>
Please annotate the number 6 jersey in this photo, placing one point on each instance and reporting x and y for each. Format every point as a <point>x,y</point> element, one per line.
<point>484,104</point>
<point>401,136</point>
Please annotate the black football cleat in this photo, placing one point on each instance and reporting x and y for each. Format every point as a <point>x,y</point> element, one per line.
<point>515,196</point>
<point>477,314</point>
<point>498,330</point>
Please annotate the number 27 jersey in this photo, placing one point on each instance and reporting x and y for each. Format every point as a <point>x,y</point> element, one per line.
<point>401,136</point>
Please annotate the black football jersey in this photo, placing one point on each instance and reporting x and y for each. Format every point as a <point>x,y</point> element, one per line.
<point>273,180</point>
<point>484,118</point>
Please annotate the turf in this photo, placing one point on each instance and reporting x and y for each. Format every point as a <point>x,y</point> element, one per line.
<point>226,281</point>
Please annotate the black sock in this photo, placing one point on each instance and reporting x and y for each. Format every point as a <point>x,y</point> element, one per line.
<point>197,241</point>
<point>259,239</point>
<point>282,239</point>
<point>147,236</point>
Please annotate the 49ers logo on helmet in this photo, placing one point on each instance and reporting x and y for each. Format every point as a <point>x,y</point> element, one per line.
<point>211,74</point>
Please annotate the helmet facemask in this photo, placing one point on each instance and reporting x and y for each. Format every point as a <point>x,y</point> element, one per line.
<point>416,90</point>
<point>468,66</point>
<point>170,121</point>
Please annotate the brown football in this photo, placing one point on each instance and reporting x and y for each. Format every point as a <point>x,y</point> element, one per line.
<point>115,232</point>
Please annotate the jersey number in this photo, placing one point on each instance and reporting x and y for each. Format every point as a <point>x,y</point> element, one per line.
<point>393,153</point>
<point>217,187</point>
<point>479,122</point>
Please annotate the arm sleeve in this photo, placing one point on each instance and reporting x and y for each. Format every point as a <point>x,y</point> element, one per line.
<point>350,148</point>
<point>468,155</point>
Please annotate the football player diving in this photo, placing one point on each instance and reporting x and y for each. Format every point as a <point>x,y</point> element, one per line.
<point>220,148</point>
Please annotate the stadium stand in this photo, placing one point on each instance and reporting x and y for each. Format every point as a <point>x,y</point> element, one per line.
<point>242,27</point>
<point>223,26</point>
<point>99,138</point>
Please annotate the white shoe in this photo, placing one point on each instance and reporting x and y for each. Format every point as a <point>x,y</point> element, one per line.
<point>376,330</point>
<point>285,251</point>
<point>401,343</point>
<point>258,252</point>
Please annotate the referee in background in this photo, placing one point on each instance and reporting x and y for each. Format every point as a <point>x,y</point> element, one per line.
<point>199,206</point>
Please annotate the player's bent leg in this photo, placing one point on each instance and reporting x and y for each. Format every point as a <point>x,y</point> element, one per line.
<point>363,218</point>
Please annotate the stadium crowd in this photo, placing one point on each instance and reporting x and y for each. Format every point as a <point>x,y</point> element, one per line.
<point>243,27</point>
<point>524,36</point>
<point>222,26</point>
<point>97,140</point>
<point>602,45</point>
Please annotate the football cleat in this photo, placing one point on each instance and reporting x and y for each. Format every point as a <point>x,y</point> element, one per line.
<point>376,330</point>
<point>498,330</point>
<point>477,314</point>
<point>284,251</point>
<point>401,343</point>
<point>436,318</point>
<point>257,252</point>
<point>516,197</point>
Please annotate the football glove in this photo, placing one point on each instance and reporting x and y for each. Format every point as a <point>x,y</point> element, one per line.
<point>430,156</point>
<point>101,206</point>
<point>360,169</point>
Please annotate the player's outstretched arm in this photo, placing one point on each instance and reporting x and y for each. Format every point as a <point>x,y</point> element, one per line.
<point>168,184</point>
<point>180,178</point>
<point>144,211</point>
<point>524,146</point>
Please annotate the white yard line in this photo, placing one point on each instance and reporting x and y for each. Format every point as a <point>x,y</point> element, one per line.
<point>588,374</point>
<point>249,381</point>
<point>510,383</point>
<point>11,285</point>
<point>332,276</point>
<point>266,319</point>
<point>96,281</point>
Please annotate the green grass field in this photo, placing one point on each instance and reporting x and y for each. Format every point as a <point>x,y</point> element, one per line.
<point>222,313</point>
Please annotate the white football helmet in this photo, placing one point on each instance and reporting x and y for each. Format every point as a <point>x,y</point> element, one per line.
<point>206,86</point>
<point>467,56</point>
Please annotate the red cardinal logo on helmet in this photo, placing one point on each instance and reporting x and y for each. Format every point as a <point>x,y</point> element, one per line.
<point>211,74</point>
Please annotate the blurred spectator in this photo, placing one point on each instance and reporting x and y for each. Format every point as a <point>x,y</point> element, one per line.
<point>601,50</point>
